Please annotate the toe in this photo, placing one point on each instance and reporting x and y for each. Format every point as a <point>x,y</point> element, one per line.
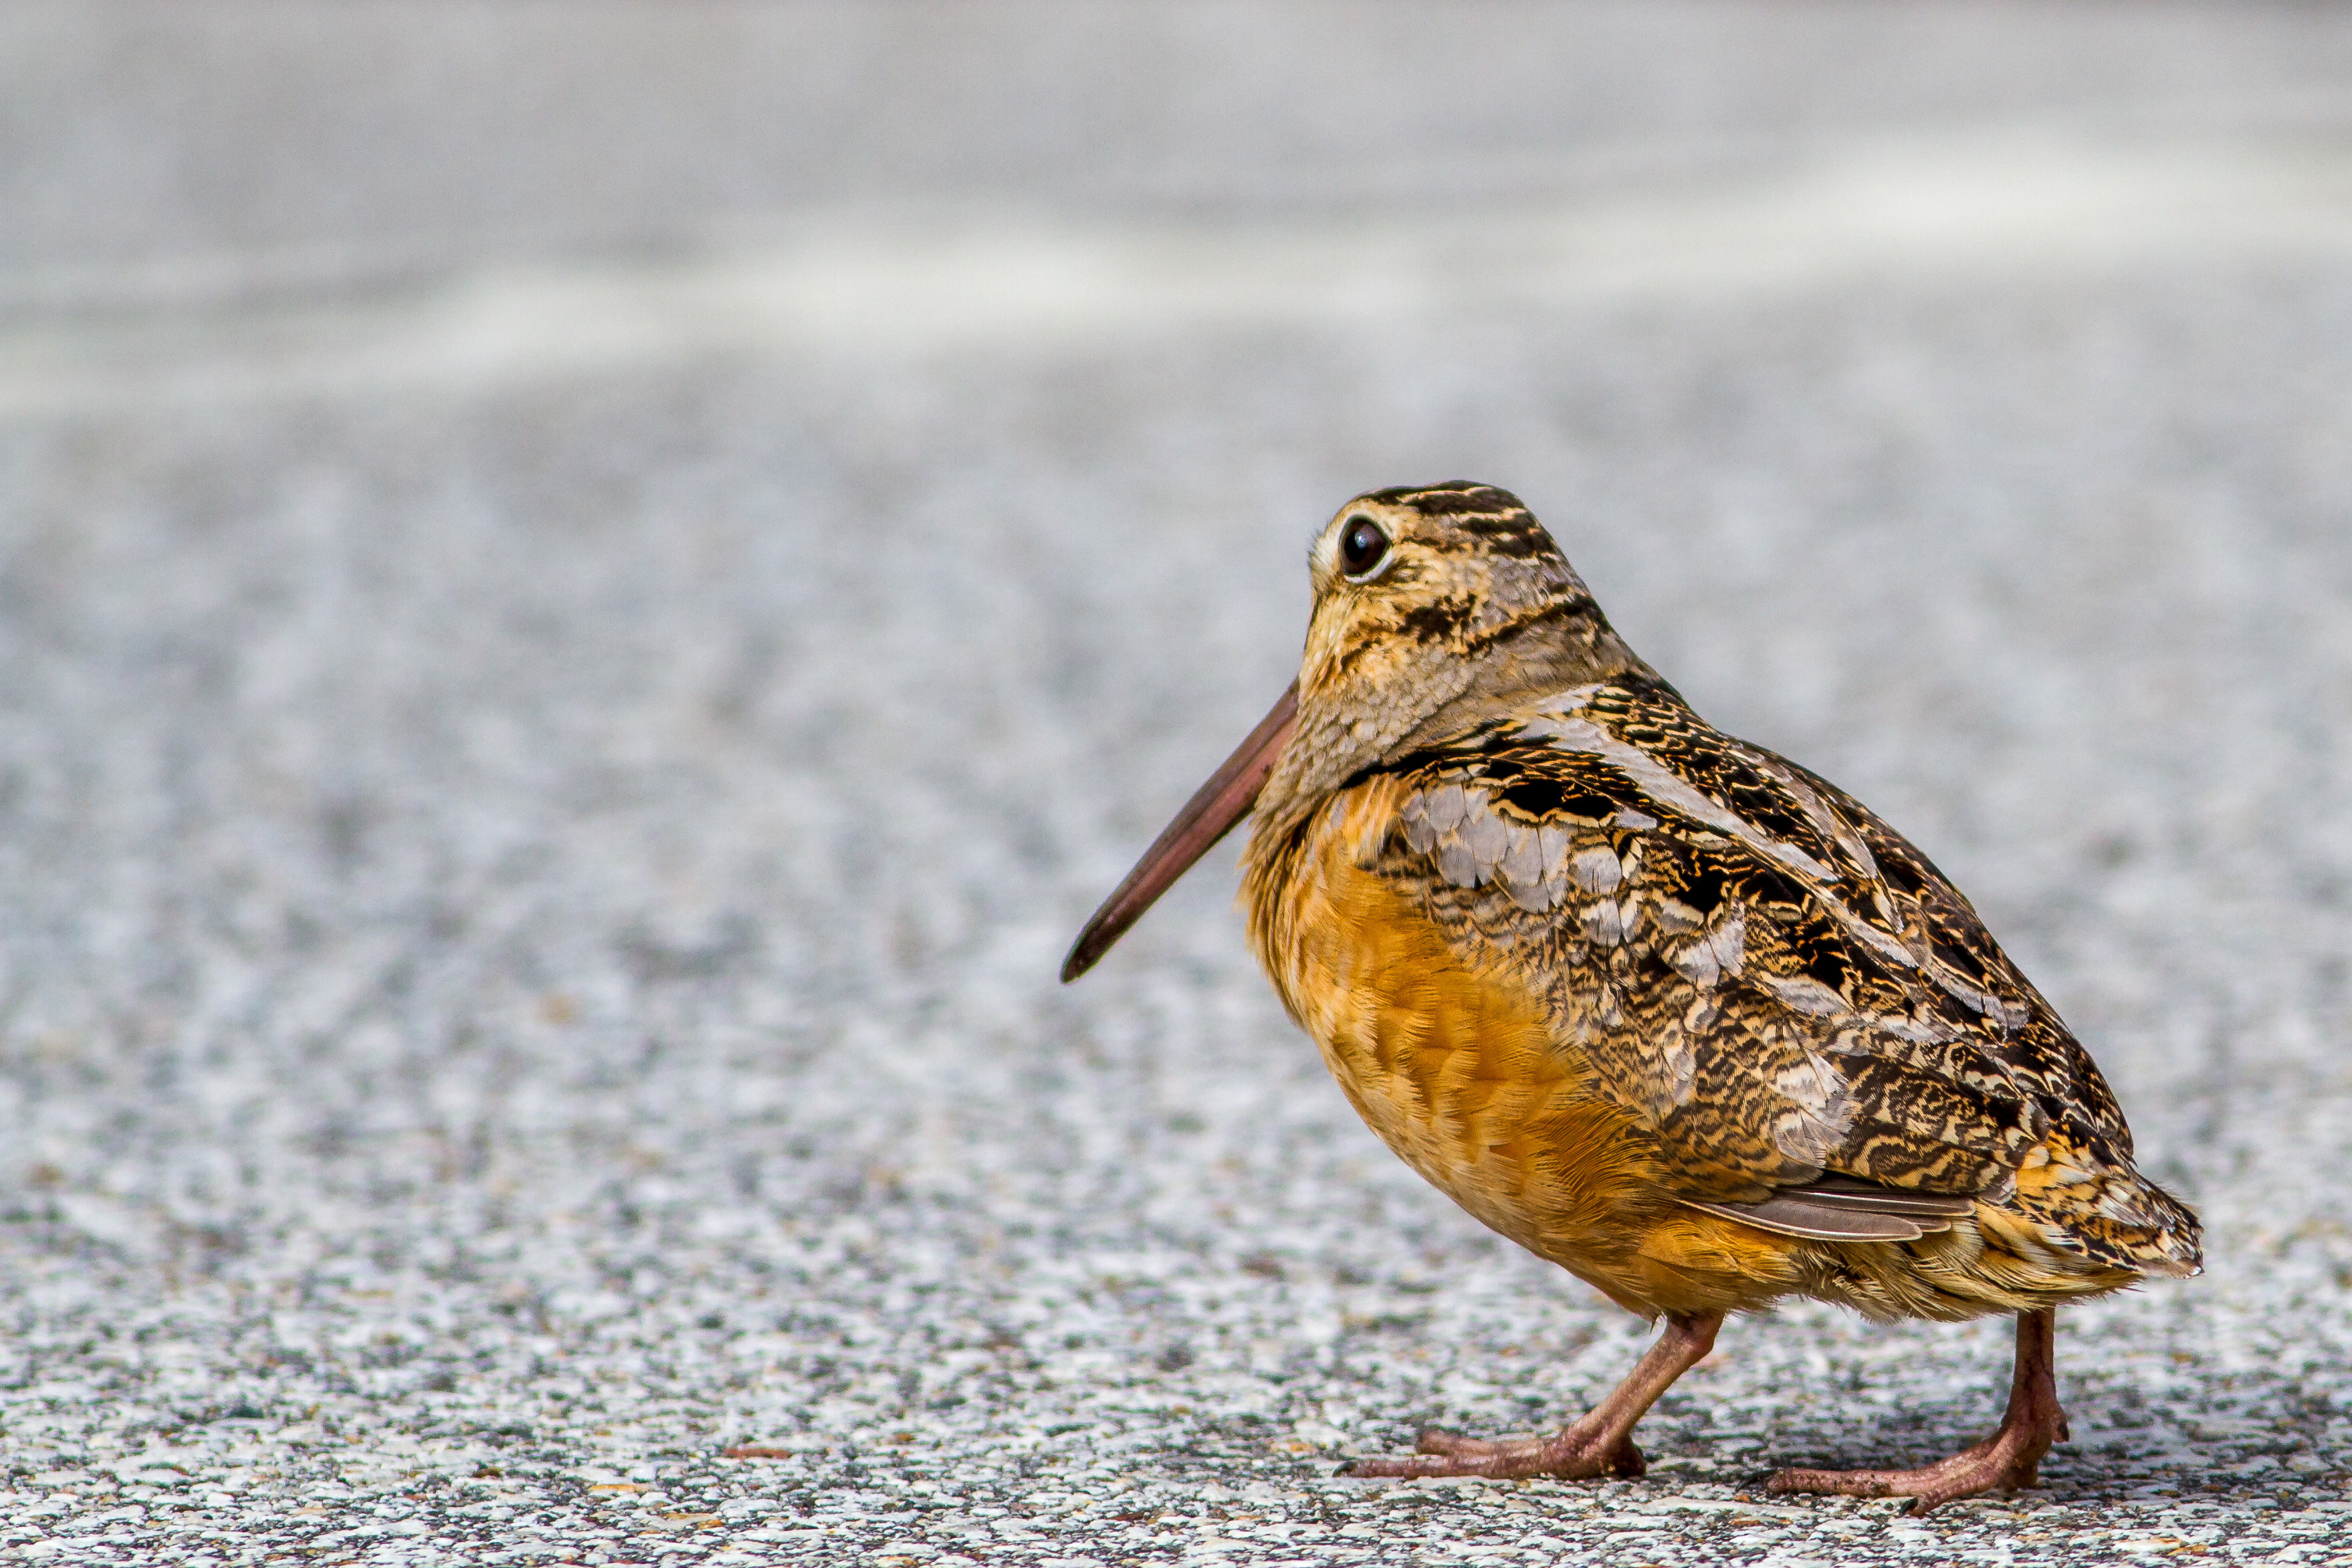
<point>1835,1483</point>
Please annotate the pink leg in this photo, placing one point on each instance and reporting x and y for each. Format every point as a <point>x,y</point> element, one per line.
<point>2010,1458</point>
<point>1599,1444</point>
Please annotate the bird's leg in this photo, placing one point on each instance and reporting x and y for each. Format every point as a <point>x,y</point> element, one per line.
<point>2010,1457</point>
<point>1599,1444</point>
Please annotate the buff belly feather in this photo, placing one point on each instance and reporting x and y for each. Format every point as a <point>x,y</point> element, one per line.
<point>1458,1073</point>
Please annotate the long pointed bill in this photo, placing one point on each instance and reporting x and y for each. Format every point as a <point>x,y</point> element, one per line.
<point>1207,817</point>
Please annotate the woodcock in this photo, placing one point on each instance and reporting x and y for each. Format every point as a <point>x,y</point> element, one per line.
<point>1658,1005</point>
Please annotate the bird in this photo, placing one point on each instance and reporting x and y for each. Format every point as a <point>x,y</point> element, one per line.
<point>1662,1007</point>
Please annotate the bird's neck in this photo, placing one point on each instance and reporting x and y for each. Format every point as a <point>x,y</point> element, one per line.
<point>1423,703</point>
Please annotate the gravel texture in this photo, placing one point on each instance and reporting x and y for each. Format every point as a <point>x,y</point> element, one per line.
<point>529,906</point>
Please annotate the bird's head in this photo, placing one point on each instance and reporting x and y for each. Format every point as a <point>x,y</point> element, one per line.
<point>1435,608</point>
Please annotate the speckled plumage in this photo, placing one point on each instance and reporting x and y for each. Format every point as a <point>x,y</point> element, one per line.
<point>1657,1004</point>
<point>1771,985</point>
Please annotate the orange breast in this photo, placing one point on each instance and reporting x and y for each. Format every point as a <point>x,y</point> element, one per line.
<point>1454,1065</point>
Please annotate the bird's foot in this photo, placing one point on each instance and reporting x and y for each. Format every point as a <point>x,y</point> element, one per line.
<point>1601,1444</point>
<point>1573,1455</point>
<point>2008,1459</point>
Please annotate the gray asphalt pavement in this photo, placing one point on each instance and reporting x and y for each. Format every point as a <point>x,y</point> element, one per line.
<point>589,595</point>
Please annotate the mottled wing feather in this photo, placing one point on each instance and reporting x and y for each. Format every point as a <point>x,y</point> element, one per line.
<point>2037,1049</point>
<point>1771,979</point>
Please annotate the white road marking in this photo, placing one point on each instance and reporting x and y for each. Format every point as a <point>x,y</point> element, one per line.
<point>1892,212</point>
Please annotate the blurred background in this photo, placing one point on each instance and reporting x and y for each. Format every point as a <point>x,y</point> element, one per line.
<point>590,592</point>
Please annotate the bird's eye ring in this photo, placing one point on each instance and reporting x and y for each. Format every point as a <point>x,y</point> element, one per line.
<point>1363,548</point>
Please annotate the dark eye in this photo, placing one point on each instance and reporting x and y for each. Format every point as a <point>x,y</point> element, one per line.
<point>1362,547</point>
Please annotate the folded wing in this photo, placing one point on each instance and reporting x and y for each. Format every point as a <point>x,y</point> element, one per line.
<point>1815,1025</point>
